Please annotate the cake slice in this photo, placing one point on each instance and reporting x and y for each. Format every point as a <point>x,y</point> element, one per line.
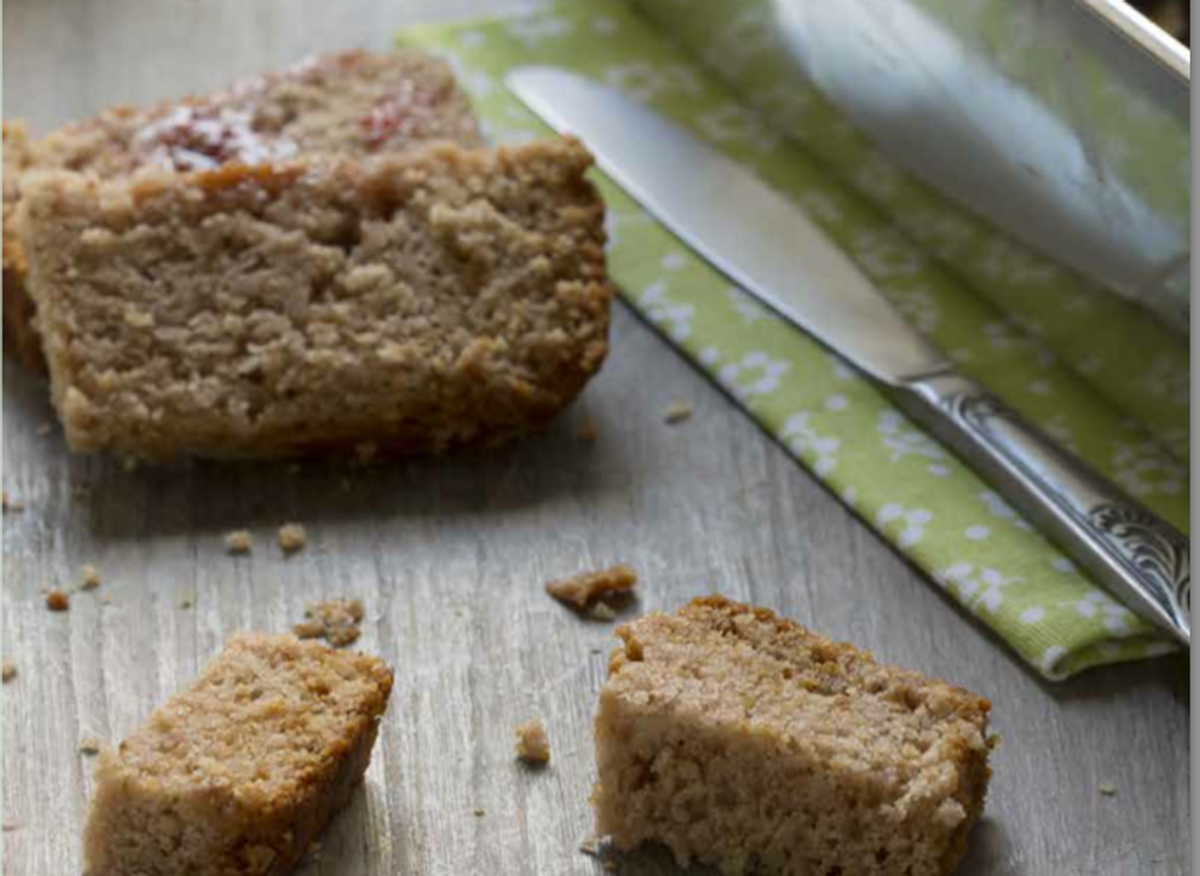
<point>418,302</point>
<point>19,334</point>
<point>351,105</point>
<point>742,740</point>
<point>238,774</point>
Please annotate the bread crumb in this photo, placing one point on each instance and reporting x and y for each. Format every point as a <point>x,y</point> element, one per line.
<point>58,600</point>
<point>587,432</point>
<point>602,611</point>
<point>239,542</point>
<point>10,504</point>
<point>479,813</point>
<point>583,589</point>
<point>89,745</point>
<point>185,604</point>
<point>292,538</point>
<point>10,826</point>
<point>677,411</point>
<point>335,620</point>
<point>89,578</point>
<point>8,670</point>
<point>1108,789</point>
<point>533,746</point>
<point>590,846</point>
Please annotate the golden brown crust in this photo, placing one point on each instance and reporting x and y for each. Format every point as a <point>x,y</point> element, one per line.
<point>20,337</point>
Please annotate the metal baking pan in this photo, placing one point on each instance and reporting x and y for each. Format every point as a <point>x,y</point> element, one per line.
<point>1064,122</point>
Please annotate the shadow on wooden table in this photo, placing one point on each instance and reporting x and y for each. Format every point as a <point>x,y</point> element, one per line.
<point>118,501</point>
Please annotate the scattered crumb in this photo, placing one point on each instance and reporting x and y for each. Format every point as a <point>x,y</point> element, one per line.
<point>239,542</point>
<point>89,578</point>
<point>585,588</point>
<point>10,504</point>
<point>292,538</point>
<point>89,745</point>
<point>10,826</point>
<point>590,846</point>
<point>335,620</point>
<point>587,432</point>
<point>8,670</point>
<point>533,746</point>
<point>185,604</point>
<point>45,429</point>
<point>1108,789</point>
<point>602,611</point>
<point>313,852</point>
<point>479,813</point>
<point>677,411</point>
<point>58,600</point>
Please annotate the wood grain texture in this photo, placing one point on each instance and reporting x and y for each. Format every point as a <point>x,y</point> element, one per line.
<point>450,555</point>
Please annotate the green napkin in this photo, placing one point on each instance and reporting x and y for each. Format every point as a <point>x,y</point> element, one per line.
<point>896,478</point>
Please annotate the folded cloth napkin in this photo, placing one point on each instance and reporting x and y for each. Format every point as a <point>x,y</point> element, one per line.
<point>898,480</point>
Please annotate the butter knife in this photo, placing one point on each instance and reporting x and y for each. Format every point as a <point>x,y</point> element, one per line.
<point>767,245</point>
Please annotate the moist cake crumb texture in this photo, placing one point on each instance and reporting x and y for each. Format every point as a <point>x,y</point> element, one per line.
<point>335,620</point>
<point>412,304</point>
<point>533,745</point>
<point>742,740</point>
<point>353,104</point>
<point>585,588</point>
<point>238,774</point>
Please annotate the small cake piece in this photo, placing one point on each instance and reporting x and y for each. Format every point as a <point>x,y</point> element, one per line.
<point>58,600</point>
<point>352,104</point>
<point>239,542</point>
<point>677,412</point>
<point>292,537</point>
<point>582,590</point>
<point>8,670</point>
<point>238,774</point>
<point>413,304</point>
<point>533,745</point>
<point>335,620</point>
<point>89,577</point>
<point>742,740</point>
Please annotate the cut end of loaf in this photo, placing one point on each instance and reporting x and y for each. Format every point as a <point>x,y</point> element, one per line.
<point>443,298</point>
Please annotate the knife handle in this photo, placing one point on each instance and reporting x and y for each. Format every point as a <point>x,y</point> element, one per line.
<point>1138,557</point>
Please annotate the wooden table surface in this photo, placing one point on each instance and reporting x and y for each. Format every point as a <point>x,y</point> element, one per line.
<point>450,556</point>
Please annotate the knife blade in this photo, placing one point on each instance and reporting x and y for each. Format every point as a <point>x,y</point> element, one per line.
<point>767,245</point>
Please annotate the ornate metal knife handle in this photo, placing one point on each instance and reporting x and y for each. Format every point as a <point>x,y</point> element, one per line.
<point>1142,560</point>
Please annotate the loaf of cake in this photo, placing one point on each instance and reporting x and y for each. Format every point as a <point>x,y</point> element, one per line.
<point>350,105</point>
<point>237,775</point>
<point>438,298</point>
<point>742,740</point>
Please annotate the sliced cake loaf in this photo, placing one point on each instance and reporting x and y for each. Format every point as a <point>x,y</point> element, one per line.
<point>414,303</point>
<point>349,105</point>
<point>238,774</point>
<point>742,740</point>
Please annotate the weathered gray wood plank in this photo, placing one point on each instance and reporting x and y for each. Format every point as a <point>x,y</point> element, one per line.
<point>450,555</point>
